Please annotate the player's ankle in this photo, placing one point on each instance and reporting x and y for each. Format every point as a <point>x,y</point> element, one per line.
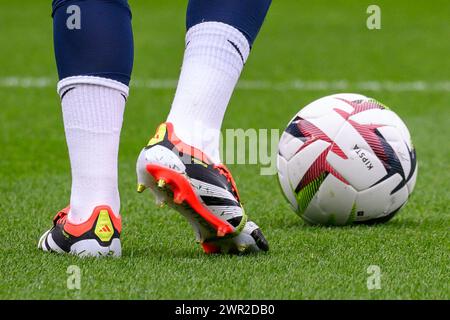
<point>81,212</point>
<point>200,136</point>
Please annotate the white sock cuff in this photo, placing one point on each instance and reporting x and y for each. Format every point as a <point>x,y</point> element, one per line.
<point>105,82</point>
<point>219,42</point>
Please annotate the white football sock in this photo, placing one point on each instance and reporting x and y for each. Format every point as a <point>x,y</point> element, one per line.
<point>213,60</point>
<point>93,112</point>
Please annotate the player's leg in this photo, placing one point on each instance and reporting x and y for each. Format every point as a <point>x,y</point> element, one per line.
<point>94,54</point>
<point>219,37</point>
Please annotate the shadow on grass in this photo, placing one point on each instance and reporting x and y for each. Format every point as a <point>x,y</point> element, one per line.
<point>395,223</point>
<point>183,252</point>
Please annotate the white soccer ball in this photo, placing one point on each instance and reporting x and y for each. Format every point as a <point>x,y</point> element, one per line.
<point>344,159</point>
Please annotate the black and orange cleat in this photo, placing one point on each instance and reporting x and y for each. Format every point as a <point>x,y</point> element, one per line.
<point>99,236</point>
<point>203,192</point>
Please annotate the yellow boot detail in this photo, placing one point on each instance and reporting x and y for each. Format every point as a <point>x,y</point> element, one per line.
<point>159,135</point>
<point>104,228</point>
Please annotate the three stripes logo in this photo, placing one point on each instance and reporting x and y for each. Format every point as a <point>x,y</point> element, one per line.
<point>104,228</point>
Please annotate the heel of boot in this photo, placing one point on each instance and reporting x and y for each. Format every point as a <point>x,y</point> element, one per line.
<point>91,248</point>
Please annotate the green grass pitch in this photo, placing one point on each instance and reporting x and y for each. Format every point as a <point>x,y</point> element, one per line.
<point>314,41</point>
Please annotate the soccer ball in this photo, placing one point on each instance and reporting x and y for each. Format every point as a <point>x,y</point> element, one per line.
<point>344,159</point>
